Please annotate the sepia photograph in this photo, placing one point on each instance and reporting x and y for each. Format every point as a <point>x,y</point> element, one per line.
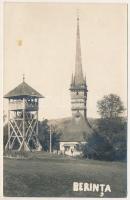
<point>65,99</point>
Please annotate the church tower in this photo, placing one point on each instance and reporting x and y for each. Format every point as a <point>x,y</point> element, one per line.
<point>78,86</point>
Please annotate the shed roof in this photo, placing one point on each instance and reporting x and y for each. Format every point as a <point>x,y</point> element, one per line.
<point>21,90</point>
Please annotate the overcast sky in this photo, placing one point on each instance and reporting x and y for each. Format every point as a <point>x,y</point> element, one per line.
<point>46,53</point>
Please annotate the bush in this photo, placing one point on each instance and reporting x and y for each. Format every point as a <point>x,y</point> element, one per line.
<point>109,142</point>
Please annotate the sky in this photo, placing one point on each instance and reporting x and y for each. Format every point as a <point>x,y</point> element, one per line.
<point>40,42</point>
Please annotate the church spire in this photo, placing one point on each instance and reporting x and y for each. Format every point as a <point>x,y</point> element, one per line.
<point>23,77</point>
<point>79,79</point>
<point>78,85</point>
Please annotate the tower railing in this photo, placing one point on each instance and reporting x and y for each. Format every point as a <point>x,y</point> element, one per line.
<point>20,105</point>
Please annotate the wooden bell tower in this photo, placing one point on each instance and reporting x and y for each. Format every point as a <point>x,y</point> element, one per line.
<point>23,118</point>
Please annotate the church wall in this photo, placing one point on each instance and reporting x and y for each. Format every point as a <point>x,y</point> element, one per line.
<point>69,148</point>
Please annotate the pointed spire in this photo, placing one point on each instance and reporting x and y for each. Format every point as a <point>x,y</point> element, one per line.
<point>79,79</point>
<point>72,79</point>
<point>23,77</point>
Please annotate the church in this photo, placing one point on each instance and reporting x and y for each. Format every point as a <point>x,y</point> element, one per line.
<point>77,129</point>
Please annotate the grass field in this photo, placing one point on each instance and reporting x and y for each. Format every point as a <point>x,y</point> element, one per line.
<point>42,175</point>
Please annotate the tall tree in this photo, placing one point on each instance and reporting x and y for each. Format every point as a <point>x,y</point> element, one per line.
<point>44,135</point>
<point>109,141</point>
<point>110,106</point>
<point>56,134</point>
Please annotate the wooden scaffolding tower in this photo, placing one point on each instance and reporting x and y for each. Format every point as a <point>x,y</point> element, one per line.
<point>23,118</point>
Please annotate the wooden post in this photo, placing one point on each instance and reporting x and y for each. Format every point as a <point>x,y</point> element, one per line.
<point>24,125</point>
<point>37,119</point>
<point>37,143</point>
<point>8,128</point>
<point>50,140</point>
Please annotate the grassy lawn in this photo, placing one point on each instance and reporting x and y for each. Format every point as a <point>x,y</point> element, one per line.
<point>42,175</point>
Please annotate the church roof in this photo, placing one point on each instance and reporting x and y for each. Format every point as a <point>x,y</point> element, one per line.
<point>21,90</point>
<point>76,130</point>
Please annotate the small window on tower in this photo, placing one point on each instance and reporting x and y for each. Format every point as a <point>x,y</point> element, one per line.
<point>77,93</point>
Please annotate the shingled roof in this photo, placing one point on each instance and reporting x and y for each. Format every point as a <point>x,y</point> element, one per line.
<point>76,130</point>
<point>23,90</point>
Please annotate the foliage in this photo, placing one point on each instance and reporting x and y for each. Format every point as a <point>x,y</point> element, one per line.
<point>110,106</point>
<point>5,135</point>
<point>98,148</point>
<point>56,134</point>
<point>109,141</point>
<point>44,136</point>
<point>115,131</point>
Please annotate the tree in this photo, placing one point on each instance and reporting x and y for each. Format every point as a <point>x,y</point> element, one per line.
<point>5,134</point>
<point>44,135</point>
<point>115,132</point>
<point>110,106</point>
<point>109,141</point>
<point>56,134</point>
<point>112,126</point>
<point>98,148</point>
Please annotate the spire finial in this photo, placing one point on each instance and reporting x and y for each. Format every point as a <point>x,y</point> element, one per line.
<point>23,77</point>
